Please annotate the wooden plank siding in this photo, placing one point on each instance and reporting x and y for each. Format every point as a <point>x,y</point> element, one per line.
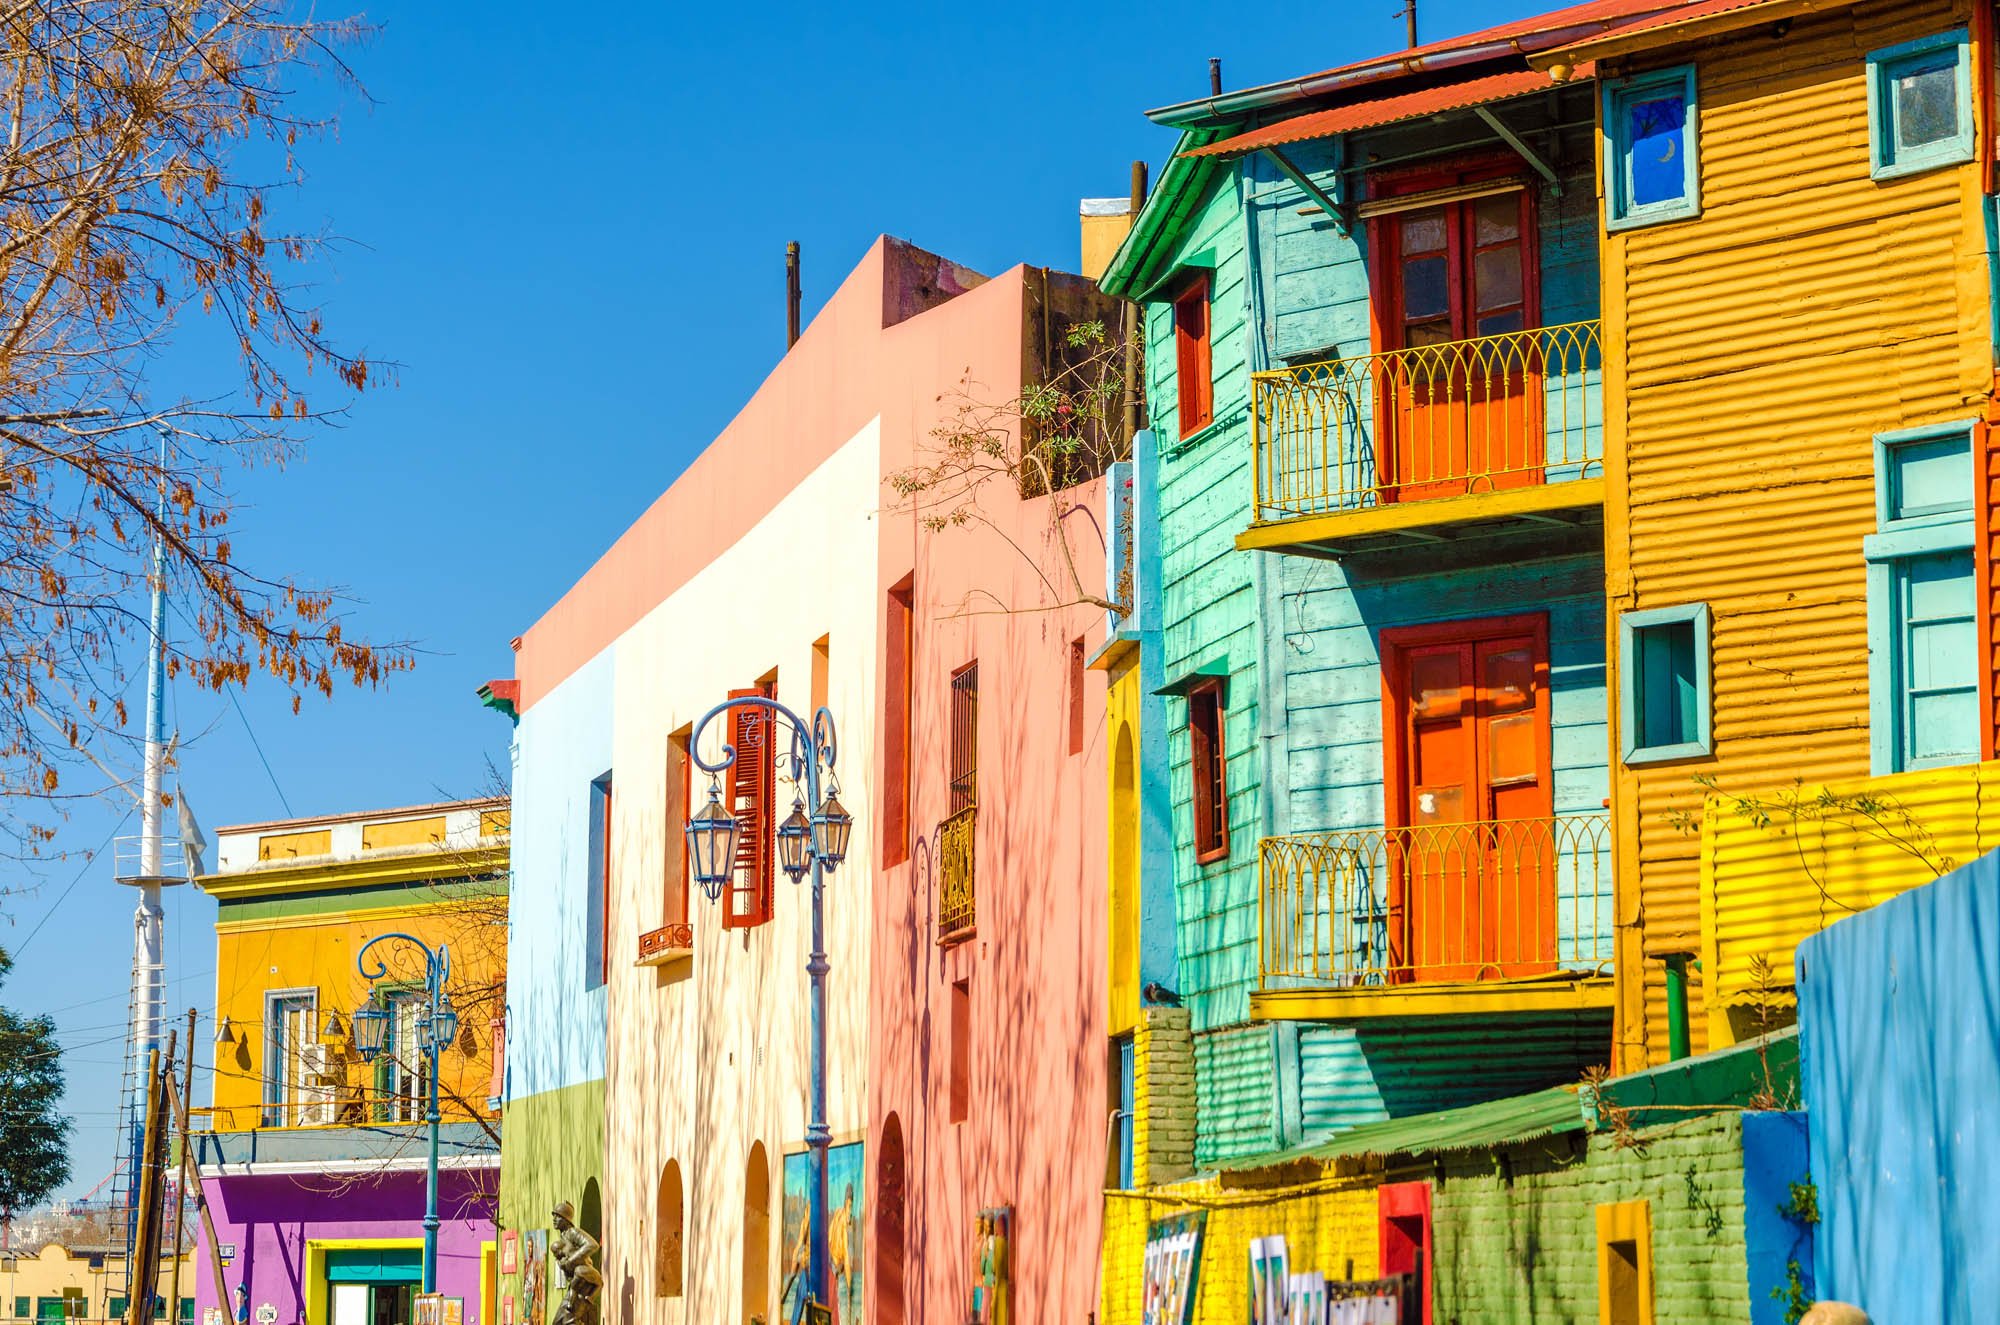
<point>1209,621</point>
<point>1754,351</point>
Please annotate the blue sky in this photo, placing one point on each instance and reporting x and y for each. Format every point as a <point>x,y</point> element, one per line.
<point>567,224</point>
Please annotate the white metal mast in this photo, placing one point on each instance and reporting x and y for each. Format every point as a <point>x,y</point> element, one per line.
<point>146,864</point>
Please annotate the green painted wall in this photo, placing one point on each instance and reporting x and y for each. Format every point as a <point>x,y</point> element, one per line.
<point>553,1151</point>
<point>1209,617</point>
<point>1517,1243</point>
<point>359,899</point>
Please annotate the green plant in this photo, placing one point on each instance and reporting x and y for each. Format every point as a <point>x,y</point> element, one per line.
<point>1803,1204</point>
<point>1793,1293</point>
<point>1711,1214</point>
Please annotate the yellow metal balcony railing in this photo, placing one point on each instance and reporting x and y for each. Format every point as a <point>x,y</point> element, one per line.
<point>1462,902</point>
<point>1433,421</point>
<point>956,895</point>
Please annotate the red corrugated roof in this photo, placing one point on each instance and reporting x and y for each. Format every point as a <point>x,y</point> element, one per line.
<point>1691,12</point>
<point>1382,110</point>
<point>1555,20</point>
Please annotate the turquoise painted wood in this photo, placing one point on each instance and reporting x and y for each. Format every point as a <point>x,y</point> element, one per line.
<point>1350,1075</point>
<point>1236,1094</point>
<point>1208,612</point>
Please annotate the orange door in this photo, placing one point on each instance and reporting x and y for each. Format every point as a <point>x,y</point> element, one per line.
<point>1471,853</point>
<point>1464,394</point>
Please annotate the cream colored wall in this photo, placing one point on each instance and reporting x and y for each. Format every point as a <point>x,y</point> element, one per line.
<point>706,1060</point>
<point>53,1269</point>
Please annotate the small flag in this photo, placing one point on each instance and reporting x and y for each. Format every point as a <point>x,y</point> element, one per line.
<point>193,844</point>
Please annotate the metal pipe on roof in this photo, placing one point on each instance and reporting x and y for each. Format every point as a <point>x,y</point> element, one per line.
<point>1193,114</point>
<point>1214,76</point>
<point>792,296</point>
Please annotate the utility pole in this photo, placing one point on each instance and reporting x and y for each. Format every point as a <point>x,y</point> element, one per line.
<point>1134,394</point>
<point>180,1206</point>
<point>191,1181</point>
<point>143,1260</point>
<point>792,294</point>
<point>1410,17</point>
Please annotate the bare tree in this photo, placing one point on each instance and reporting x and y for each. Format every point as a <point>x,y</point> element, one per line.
<point>1063,429</point>
<point>145,141</point>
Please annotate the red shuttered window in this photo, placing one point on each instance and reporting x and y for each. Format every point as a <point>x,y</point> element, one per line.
<point>1194,374</point>
<point>750,794</point>
<point>1208,765</point>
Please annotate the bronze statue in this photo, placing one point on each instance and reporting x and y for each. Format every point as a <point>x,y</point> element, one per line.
<point>581,1280</point>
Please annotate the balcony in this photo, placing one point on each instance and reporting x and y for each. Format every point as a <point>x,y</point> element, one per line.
<point>667,946</point>
<point>1503,915</point>
<point>1502,436</point>
<point>956,895</point>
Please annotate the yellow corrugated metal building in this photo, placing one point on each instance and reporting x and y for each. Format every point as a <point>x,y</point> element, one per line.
<point>1761,333</point>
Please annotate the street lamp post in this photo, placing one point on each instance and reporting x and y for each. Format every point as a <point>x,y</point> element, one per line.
<point>812,840</point>
<point>436,1027</point>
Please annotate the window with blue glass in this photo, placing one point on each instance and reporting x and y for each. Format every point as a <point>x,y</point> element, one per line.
<point>1920,105</point>
<point>1663,694</point>
<point>1651,154</point>
<point>1923,655</point>
<point>1122,1152</point>
<point>597,914</point>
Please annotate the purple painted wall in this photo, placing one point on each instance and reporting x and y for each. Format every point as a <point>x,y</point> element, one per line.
<point>270,1219</point>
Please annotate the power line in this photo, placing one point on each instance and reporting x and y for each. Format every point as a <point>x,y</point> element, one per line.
<point>88,862</point>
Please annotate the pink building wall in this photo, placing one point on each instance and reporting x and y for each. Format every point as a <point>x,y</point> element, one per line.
<point>1034,1135</point>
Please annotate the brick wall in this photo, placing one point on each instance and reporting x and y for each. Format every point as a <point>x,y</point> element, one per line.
<point>1516,1241</point>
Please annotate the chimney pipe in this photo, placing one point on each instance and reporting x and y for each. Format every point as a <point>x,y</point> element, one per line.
<point>1214,76</point>
<point>1135,396</point>
<point>1410,17</point>
<point>791,294</point>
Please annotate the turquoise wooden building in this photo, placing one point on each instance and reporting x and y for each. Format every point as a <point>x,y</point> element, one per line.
<point>1374,374</point>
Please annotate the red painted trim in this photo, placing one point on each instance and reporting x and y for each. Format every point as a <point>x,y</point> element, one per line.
<point>1212,748</point>
<point>1194,361</point>
<point>1407,1200</point>
<point>1986,462</point>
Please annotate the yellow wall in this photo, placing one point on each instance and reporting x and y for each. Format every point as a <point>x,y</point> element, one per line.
<point>1753,353</point>
<point>55,1270</point>
<point>318,952</point>
<point>1766,886</point>
<point>1324,1225</point>
<point>1122,700</point>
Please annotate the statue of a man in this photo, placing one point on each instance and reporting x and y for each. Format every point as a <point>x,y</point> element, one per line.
<point>581,1279</point>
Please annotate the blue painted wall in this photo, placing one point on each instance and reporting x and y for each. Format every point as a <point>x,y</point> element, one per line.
<point>1774,1158</point>
<point>555,1003</point>
<point>1899,1031</point>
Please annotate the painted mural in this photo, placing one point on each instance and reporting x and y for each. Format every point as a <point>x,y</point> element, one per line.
<point>992,1287</point>
<point>846,1212</point>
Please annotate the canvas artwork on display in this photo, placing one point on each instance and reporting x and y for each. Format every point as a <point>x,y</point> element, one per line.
<point>846,1212</point>
<point>534,1276</point>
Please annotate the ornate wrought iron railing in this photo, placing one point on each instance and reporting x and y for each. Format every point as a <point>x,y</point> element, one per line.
<point>1500,899</point>
<point>957,897</point>
<point>1513,410</point>
<point>665,944</point>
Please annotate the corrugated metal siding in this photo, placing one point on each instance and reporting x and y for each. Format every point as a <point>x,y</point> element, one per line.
<point>1765,889</point>
<point>1989,584</point>
<point>1209,615</point>
<point>1807,309</point>
<point>1348,1077</point>
<point>1236,1093</point>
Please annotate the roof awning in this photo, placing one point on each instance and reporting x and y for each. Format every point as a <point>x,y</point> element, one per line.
<point>1689,22</point>
<point>1472,1127</point>
<point>1381,111</point>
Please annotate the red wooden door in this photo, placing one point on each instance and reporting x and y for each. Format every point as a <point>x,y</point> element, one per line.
<point>1463,400</point>
<point>1471,860</point>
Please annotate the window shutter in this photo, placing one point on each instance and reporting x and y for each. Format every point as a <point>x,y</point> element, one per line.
<point>749,792</point>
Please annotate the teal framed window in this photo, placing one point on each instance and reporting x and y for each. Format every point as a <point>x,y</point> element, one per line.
<point>1664,702</point>
<point>596,940</point>
<point>1652,167</point>
<point>116,1310</point>
<point>290,1032</point>
<point>1923,652</point>
<point>1920,105</point>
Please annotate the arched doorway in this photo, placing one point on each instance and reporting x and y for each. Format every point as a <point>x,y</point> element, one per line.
<point>670,1218</point>
<point>757,1236</point>
<point>889,1197</point>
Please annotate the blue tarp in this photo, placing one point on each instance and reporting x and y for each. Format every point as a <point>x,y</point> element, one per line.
<point>1899,1016</point>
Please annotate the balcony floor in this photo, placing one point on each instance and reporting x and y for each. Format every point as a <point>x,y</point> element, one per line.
<point>1553,517</point>
<point>1563,992</point>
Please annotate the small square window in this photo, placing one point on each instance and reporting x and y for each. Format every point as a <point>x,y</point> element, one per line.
<point>1650,147</point>
<point>1664,684</point>
<point>1920,105</point>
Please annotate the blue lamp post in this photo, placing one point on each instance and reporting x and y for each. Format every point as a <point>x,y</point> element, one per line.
<point>437,1026</point>
<point>812,840</point>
